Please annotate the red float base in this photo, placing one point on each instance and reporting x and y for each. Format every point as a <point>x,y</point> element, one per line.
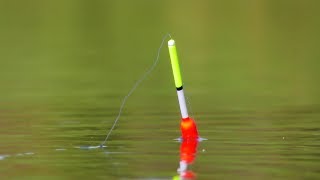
<point>188,129</point>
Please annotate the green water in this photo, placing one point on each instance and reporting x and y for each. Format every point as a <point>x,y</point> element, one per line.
<point>251,71</point>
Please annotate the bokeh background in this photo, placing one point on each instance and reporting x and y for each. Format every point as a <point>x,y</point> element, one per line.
<point>250,68</point>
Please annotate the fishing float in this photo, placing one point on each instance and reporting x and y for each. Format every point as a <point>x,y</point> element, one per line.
<point>187,125</point>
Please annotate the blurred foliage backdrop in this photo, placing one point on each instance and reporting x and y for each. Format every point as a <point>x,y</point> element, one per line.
<point>245,53</point>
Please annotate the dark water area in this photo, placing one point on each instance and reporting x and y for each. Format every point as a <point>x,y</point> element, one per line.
<point>250,70</point>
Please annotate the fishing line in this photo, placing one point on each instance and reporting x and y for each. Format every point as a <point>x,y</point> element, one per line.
<point>124,100</point>
<point>190,107</point>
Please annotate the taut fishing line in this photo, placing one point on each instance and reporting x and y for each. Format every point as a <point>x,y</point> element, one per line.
<point>124,100</point>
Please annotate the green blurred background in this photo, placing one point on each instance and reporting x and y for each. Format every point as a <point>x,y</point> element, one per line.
<point>246,53</point>
<point>65,65</point>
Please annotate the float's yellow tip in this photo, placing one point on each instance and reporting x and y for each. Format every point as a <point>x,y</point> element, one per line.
<point>171,42</point>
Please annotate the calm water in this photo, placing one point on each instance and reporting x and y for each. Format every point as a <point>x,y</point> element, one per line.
<point>251,72</point>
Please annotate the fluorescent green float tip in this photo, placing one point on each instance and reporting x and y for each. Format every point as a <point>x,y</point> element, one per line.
<point>175,63</point>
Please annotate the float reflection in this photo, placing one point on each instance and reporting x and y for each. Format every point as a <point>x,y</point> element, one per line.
<point>188,152</point>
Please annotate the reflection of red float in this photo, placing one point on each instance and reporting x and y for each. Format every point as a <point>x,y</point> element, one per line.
<point>188,150</point>
<point>188,175</point>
